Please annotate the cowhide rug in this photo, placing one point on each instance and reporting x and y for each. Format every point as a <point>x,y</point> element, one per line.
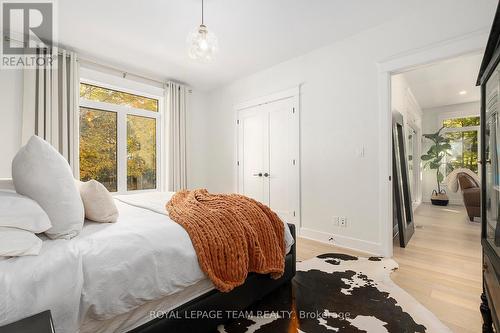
<point>338,293</point>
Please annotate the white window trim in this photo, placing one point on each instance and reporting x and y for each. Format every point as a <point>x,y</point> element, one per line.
<point>121,119</point>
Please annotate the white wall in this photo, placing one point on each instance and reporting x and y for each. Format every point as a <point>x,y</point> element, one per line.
<point>11,97</point>
<point>431,123</point>
<point>403,101</point>
<point>339,115</point>
<point>197,150</point>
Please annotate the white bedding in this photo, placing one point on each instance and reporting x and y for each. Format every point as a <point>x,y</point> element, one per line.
<point>106,271</point>
<point>33,284</point>
<point>155,201</point>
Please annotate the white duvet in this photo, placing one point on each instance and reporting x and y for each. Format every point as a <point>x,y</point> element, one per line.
<point>107,270</point>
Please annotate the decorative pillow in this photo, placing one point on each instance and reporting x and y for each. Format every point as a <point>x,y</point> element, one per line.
<point>16,242</point>
<point>21,212</point>
<point>98,203</point>
<point>41,173</point>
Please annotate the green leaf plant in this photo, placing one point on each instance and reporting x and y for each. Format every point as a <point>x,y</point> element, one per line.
<point>433,159</point>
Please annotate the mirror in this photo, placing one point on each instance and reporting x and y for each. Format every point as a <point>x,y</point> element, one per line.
<point>403,211</point>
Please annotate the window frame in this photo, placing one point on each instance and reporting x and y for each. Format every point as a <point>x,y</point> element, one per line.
<point>121,141</point>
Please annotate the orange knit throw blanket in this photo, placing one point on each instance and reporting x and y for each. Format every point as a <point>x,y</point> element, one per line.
<point>232,235</point>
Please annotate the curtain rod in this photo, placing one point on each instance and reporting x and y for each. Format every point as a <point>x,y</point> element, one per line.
<point>126,73</point>
<point>116,69</point>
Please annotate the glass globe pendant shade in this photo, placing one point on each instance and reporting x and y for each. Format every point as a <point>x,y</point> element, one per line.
<point>202,44</point>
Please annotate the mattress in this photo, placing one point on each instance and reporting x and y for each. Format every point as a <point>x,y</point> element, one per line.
<point>105,278</point>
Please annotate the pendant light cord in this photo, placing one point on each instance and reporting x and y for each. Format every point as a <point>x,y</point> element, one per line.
<point>202,21</point>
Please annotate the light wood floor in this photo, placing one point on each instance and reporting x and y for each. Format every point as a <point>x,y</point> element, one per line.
<point>440,267</point>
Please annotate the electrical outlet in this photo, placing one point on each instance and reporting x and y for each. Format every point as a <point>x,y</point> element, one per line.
<point>343,221</point>
<point>336,220</point>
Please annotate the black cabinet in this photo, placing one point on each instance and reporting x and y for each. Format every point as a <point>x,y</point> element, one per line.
<point>489,80</point>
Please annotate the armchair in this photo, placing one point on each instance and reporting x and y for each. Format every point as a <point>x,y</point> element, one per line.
<point>472,195</point>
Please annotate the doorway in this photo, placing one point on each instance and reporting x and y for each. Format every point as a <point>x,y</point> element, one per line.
<point>440,265</point>
<point>268,165</point>
<point>440,106</point>
<point>447,49</point>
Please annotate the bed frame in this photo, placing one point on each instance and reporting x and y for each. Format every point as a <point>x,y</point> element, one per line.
<point>256,287</point>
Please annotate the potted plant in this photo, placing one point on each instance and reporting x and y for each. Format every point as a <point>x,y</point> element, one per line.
<point>434,161</point>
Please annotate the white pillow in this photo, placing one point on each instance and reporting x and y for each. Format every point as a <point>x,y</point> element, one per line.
<point>98,203</point>
<point>21,212</point>
<point>16,242</point>
<point>41,173</point>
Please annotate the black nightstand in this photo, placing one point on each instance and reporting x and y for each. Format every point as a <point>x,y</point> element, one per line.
<point>39,323</point>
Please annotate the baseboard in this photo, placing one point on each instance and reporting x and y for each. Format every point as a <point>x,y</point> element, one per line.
<point>342,241</point>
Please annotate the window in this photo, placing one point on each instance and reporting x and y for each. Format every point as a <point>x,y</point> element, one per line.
<point>463,134</point>
<point>119,138</point>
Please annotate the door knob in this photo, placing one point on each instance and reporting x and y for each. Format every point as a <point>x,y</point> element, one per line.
<point>258,174</point>
<point>266,174</point>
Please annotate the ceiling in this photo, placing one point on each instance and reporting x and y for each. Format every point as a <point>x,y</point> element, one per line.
<point>440,84</point>
<point>253,34</point>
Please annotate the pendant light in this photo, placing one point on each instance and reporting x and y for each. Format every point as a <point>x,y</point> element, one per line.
<point>202,44</point>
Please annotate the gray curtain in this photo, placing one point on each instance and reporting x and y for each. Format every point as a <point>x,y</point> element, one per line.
<point>50,105</point>
<point>176,107</point>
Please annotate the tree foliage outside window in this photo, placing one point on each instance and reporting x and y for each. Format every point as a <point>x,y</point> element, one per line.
<point>100,94</point>
<point>98,134</point>
<point>141,153</point>
<point>461,122</point>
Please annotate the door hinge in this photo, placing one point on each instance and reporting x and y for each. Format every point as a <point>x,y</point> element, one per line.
<point>293,161</point>
<point>293,213</point>
<point>238,163</point>
<point>237,122</point>
<point>293,110</point>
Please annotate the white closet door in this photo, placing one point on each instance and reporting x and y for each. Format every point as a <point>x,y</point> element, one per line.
<point>281,175</point>
<point>254,152</point>
<point>268,153</point>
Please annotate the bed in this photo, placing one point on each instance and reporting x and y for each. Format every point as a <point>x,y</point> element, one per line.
<point>125,276</point>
